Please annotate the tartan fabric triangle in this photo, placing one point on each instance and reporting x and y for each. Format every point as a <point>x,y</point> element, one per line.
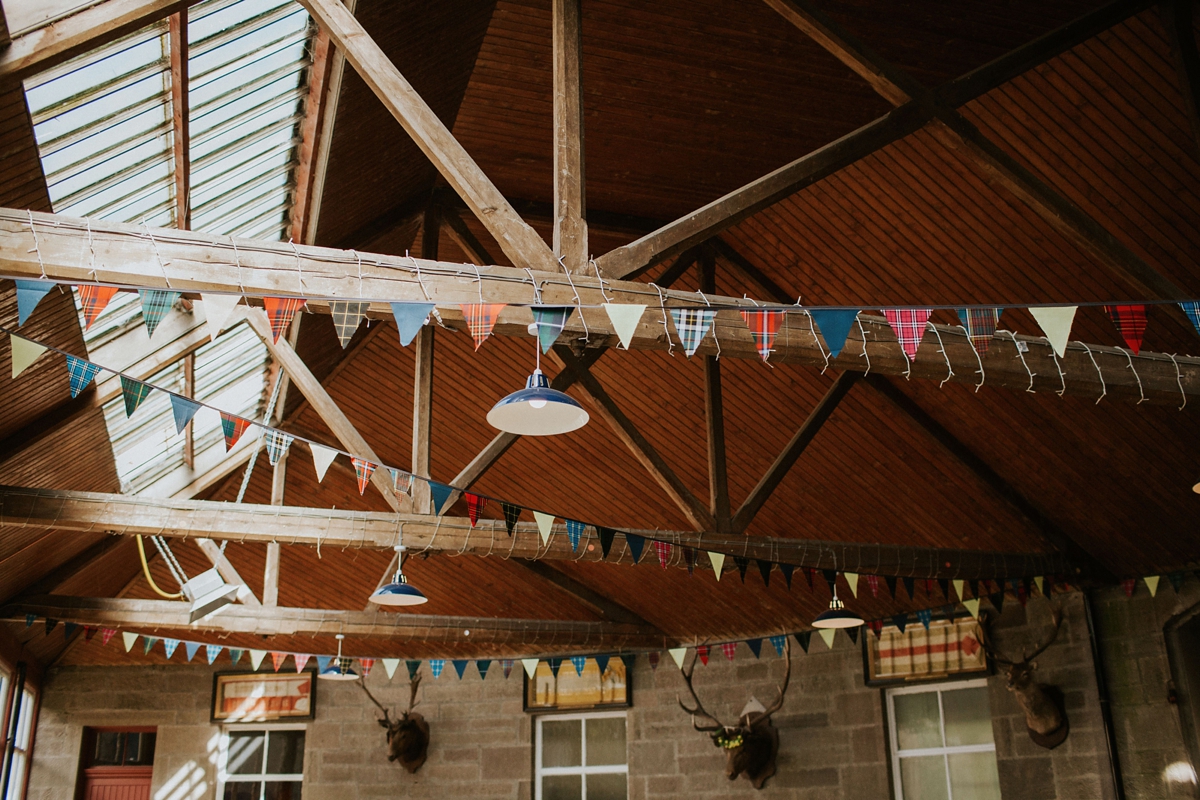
<point>555,664</point>
<point>702,651</point>
<point>233,428</point>
<point>876,626</point>
<point>909,326</point>
<point>29,294</point>
<point>729,649</point>
<point>277,660</point>
<point>93,300</point>
<point>1128,585</point>
<point>779,641</point>
<point>280,311</point>
<point>663,549</point>
<point>365,664</point>
<point>212,651</point>
<point>579,662</point>
<point>980,324</point>
<point>506,665</point>
<point>277,443</point>
<point>809,574</point>
<point>235,655</point>
<point>481,318</point>
<point>763,324</point>
<point>653,657</point>
<point>925,616</point>
<point>183,409</point>
<point>511,515</point>
<point>1192,309</point>
<point>156,304</point>
<point>300,660</point>
<point>410,318</point>
<point>574,533</point>
<point>691,324</point>
<point>169,647</point>
<point>346,318</point>
<point>50,625</point>
<point>550,321</point>
<point>363,470</point>
<point>873,584</point>
<point>148,644</point>
<point>636,543</point>
<point>1131,324</point>
<point>89,632</point>
<point>133,392</point>
<point>81,374</point>
<point>475,506</point>
<point>606,540</point>
<point>834,324</point>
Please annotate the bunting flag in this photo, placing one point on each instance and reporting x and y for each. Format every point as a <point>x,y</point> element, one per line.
<point>873,584</point>
<point>729,649</point>
<point>440,493</point>
<point>513,513</point>
<point>636,543</point>
<point>972,607</point>
<point>530,665</point>
<point>890,580</point>
<point>702,651</point>
<point>412,666</point>
<point>980,324</point>
<point>323,663</point>
<point>217,310</point>
<point>212,651</point>
<point>389,666</point>
<point>550,321</point>
<point>346,318</point>
<point>89,632</point>
<point>579,662</point>
<point>629,660</point>
<point>555,665</point>
<point>574,533</point>
<point>482,664</point>
<point>1040,583</point>
<point>830,576</point>
<point>852,582</point>
<point>663,550</point>
<point>29,294</point>
<point>256,658</point>
<point>133,392</point>
<point>689,558</point>
<point>900,621</point>
<point>1192,309</point>
<point>183,409</point>
<point>876,626</point>
<point>190,649</point>
<point>764,569</point>
<point>50,624</point>
<point>363,470</point>
<point>910,586</point>
<point>410,318</point>
<point>1176,581</point>
<point>30,619</point>
<point>130,639</point>
<point>402,482</point>
<point>834,325</point>
<point>277,660</point>
<point>804,639</point>
<point>718,563</point>
<point>779,641</point>
<point>148,644</point>
<point>827,635</point>
<point>925,616</point>
<point>93,300</point>
<point>322,457</point>
<point>506,665</point>
<point>1055,322</point>
<point>156,303</point>
<point>24,353</point>
<point>1130,322</point>
<point>691,324</point>
<point>277,443</point>
<point>300,660</point>
<point>81,374</point>
<point>909,326</point>
<point>545,523</point>
<point>653,657</point>
<point>959,584</point>
<point>280,311</point>
<point>763,324</point>
<point>606,540</point>
<point>233,428</point>
<point>1152,584</point>
<point>436,665</point>
<point>460,666</point>
<point>741,563</point>
<point>624,318</point>
<point>475,506</point>
<point>481,318</point>
<point>235,655</point>
<point>68,629</point>
<point>169,647</point>
<point>677,655</point>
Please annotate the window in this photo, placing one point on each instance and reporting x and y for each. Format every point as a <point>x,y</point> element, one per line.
<point>262,764</point>
<point>119,748</point>
<point>941,742</point>
<point>22,738</point>
<point>581,757</point>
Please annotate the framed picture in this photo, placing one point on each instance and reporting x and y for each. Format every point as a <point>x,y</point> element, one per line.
<point>571,691</point>
<point>264,697</point>
<point>950,648</point>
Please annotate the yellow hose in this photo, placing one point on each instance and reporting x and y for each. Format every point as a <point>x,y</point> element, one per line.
<point>149,579</point>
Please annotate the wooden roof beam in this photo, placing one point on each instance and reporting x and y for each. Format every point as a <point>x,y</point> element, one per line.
<point>714,416</point>
<point>570,234</point>
<point>466,241</point>
<point>1178,18</point>
<point>312,145</point>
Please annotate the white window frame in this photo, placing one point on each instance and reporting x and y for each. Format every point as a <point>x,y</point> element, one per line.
<point>22,744</point>
<point>223,776</point>
<point>540,771</point>
<point>893,742</point>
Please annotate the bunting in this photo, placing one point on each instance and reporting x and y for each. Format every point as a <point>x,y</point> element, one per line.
<point>412,666</point>
<point>677,655</point>
<point>763,325</point>
<point>909,326</point>
<point>506,665</point>
<point>217,310</point>
<point>363,470</point>
<point>24,353</point>
<point>691,325</point>
<point>1130,322</point>
<point>300,660</point>
<point>729,649</point>
<point>280,311</point>
<point>183,409</point>
<point>211,652</point>
<point>827,635</point>
<point>277,443</point>
<point>624,318</point>
<point>545,523</point>
<point>439,493</point>
<point>389,666</point>
<point>481,318</point>
<point>410,318</point>
<point>718,563</point>
<point>436,665</point>
<point>834,325</point>
<point>156,303</point>
<point>574,533</point>
<point>29,294</point>
<point>482,665</point>
<point>233,428</point>
<point>606,540</point>
<point>323,663</point>
<point>235,655</point>
<point>80,373</point>
<point>663,550</point>
<point>148,642</point>
<point>778,642</point>
<point>873,584</point>
<point>764,569</point>
<point>133,393</point>
<point>1192,309</point>
<point>1055,322</point>
<point>322,457</point>
<point>653,657</point>
<point>475,506</point>
<point>555,665</point>
<point>169,647</point>
<point>129,639</point>
<point>460,666</point>
<point>256,658</point>
<point>190,649</point>
<point>702,651</point>
<point>980,325</point>
<point>579,662</point>
<point>277,660</point>
<point>347,316</point>
<point>93,300</point>
<point>636,543</point>
<point>742,563</point>
<point>530,665</point>
<point>550,321</point>
<point>512,514</point>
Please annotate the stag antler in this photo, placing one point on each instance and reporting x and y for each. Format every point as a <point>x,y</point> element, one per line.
<point>1056,622</point>
<point>698,711</point>
<point>778,704</point>
<point>362,684</point>
<point>412,697</point>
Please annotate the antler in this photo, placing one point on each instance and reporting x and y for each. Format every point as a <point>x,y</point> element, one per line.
<point>985,640</point>
<point>363,685</point>
<point>412,698</point>
<point>778,704</point>
<point>698,710</point>
<point>1056,620</point>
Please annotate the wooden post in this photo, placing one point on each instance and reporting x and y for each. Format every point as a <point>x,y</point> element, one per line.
<point>714,415</point>
<point>423,379</point>
<point>570,224</point>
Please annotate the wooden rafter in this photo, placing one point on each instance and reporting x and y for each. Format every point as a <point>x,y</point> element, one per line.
<point>714,416</point>
<point>1178,18</point>
<point>610,609</point>
<point>461,235</point>
<point>180,118</point>
<point>212,551</point>
<point>570,235</point>
<point>311,133</point>
<point>59,417</point>
<point>59,575</point>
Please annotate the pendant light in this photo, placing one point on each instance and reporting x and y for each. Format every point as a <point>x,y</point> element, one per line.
<point>209,593</point>
<point>399,592</point>
<point>837,616</point>
<point>339,669</point>
<point>537,410</point>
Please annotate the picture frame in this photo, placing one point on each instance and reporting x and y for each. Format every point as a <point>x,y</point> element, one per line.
<point>950,649</point>
<point>571,692</point>
<point>257,697</point>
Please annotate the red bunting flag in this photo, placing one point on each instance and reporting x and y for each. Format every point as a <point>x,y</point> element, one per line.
<point>909,326</point>
<point>106,634</point>
<point>702,652</point>
<point>481,318</point>
<point>475,506</point>
<point>876,625</point>
<point>233,428</point>
<point>277,660</point>
<point>1128,584</point>
<point>366,664</point>
<point>1131,324</point>
<point>763,324</point>
<point>729,649</point>
<point>280,311</point>
<point>364,470</point>
<point>664,553</point>
<point>93,300</point>
<point>873,583</point>
<point>654,659</point>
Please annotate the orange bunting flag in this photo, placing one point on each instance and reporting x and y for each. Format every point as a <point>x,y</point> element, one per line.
<point>233,428</point>
<point>475,506</point>
<point>481,318</point>
<point>763,324</point>
<point>93,300</point>
<point>280,311</point>
<point>364,470</point>
<point>277,660</point>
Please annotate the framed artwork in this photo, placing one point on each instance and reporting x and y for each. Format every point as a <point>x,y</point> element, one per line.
<point>950,648</point>
<point>570,691</point>
<point>264,697</point>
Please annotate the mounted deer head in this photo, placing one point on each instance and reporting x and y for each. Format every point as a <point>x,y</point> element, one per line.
<point>1045,715</point>
<point>408,735</point>
<point>750,746</point>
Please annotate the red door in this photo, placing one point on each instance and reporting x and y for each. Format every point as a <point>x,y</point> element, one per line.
<point>116,783</point>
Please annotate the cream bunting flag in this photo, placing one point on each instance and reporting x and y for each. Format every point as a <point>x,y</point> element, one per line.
<point>24,353</point>
<point>625,318</point>
<point>389,666</point>
<point>677,655</point>
<point>322,458</point>
<point>718,563</point>
<point>530,665</point>
<point>852,580</point>
<point>827,635</point>
<point>217,308</point>
<point>545,523</point>
<point>1152,584</point>
<point>130,639</point>
<point>972,606</point>
<point>256,657</point>
<point>1039,582</point>
<point>1056,324</point>
<point>958,587</point>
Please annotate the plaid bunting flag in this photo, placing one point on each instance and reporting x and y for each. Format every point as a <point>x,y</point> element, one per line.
<point>50,625</point>
<point>29,294</point>
<point>663,549</point>
<point>511,515</point>
<point>211,652</point>
<point>579,662</point>
<point>1131,324</point>
<point>277,660</point>
<point>602,663</point>
<point>691,324</point>
<point>106,635</point>
<point>346,318</point>
<point>280,311</point>
<point>554,664</point>
<point>475,506</point>
<point>412,666</point>
<point>702,652</point>
<point>729,649</point>
<point>873,583</point>
<point>653,658</point>
<point>1192,309</point>
<point>148,644</point>
<point>574,532</point>
<point>1128,586</point>
<point>277,444</point>
<point>233,428</point>
<point>402,482</point>
<point>981,326</point>
<point>81,374</point>
<point>93,300</point>
<point>876,626</point>
<point>925,616</point>
<point>88,633</point>
<point>363,469</point>
<point>506,665</point>
<point>235,655</point>
<point>778,642</point>
<point>436,665</point>
<point>481,318</point>
<point>550,322</point>
<point>763,324</point>
<point>156,303</point>
<point>909,326</point>
<point>169,647</point>
<point>133,392</point>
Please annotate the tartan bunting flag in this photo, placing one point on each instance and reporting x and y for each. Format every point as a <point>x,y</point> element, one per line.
<point>322,457</point>
<point>834,325</point>
<point>148,644</point>
<point>827,636</point>
<point>764,569</point>
<point>876,626</point>
<point>691,324</point>
<point>1176,581</point>
<point>512,513</point>
<point>872,584</point>
<point>653,657</point>
<point>410,318</point>
<point>550,321</point>
<point>389,666</point>
<point>804,639</point>
<point>853,634</point>
<point>169,647</point>
<point>233,428</point>
<point>663,550</point>
<point>235,655</point>
<point>280,311</point>
<point>980,324</point>
<point>412,666</point>
<point>346,318</point>
<point>545,523</point>
<point>436,665</point>
<point>1131,324</point>
<point>277,660</point>
<point>1055,322</point>
<point>530,665</point>
<point>365,664</point>
<point>689,558</point>
<point>460,666</point>
<point>217,309</point>
<point>89,631</point>
<point>183,409</point>
<point>256,658</point>
<point>702,653</point>
<point>1192,309</point>
<point>779,641</point>
<point>787,570</point>
<point>439,493</point>
<point>555,665</point>
<point>900,621</point>
<point>742,563</point>
<point>300,660</point>
<point>481,318</point>
<point>506,665</point>
<point>482,665</point>
<point>763,325</point>
<point>29,294</point>
<point>402,482</point>
<point>475,506</point>
<point>190,649</point>
<point>909,326</point>
<point>729,649</point>
<point>129,639</point>
<point>156,303</point>
<point>323,663</point>
<point>133,393</point>
<point>925,616</point>
<point>211,652</point>
<point>81,374</point>
<point>93,300</point>
<point>624,318</point>
<point>574,533</point>
<point>636,543</point>
<point>718,563</point>
<point>277,443</point>
<point>810,574</point>
<point>579,662</point>
<point>24,353</point>
<point>363,470</point>
<point>50,625</point>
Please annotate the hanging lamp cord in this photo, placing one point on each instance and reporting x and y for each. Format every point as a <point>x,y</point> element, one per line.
<point>149,578</point>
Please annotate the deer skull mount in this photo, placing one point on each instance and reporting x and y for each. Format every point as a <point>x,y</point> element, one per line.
<point>1045,713</point>
<point>408,734</point>
<point>750,746</point>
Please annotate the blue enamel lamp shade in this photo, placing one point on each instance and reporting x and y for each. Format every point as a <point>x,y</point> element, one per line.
<point>537,410</point>
<point>399,593</point>
<point>836,616</point>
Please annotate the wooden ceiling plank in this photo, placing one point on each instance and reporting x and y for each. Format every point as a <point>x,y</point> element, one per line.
<point>570,234</point>
<point>714,416</point>
<point>676,270</point>
<point>518,240</point>
<point>212,551</point>
<point>612,610</point>
<point>59,417</point>
<point>50,581</point>
<point>1178,18</point>
<point>751,271</point>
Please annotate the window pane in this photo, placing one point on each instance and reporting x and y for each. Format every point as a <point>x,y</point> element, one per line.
<point>562,787</point>
<point>562,743</point>
<point>968,718</point>
<point>605,741</point>
<point>16,781</point>
<point>924,778</point>
<point>285,753</point>
<point>108,749</point>
<point>139,748</point>
<point>283,791</point>
<point>973,776</point>
<point>917,721</point>
<point>606,787</point>
<point>243,791</point>
<point>246,753</point>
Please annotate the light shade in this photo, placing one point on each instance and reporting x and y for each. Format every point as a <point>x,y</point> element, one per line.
<point>1196,487</point>
<point>339,670</point>
<point>208,592</point>
<point>837,616</point>
<point>537,410</point>
<point>399,593</point>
